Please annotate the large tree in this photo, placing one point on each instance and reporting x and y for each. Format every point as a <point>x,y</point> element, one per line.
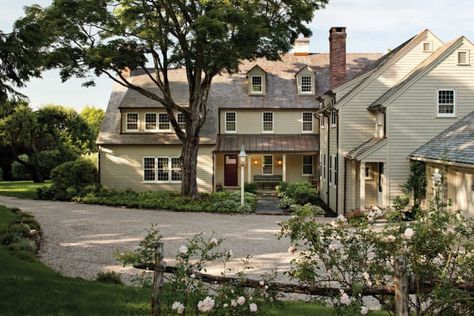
<point>205,37</point>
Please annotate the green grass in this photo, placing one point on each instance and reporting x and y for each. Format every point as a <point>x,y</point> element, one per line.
<point>20,189</point>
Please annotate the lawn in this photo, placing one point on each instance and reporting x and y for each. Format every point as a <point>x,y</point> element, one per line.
<point>20,189</point>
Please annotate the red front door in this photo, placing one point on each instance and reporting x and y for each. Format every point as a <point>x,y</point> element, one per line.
<point>230,170</point>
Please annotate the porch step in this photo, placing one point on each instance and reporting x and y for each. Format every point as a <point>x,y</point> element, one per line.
<point>268,205</point>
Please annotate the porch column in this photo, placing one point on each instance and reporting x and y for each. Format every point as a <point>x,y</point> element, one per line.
<point>362,186</point>
<point>249,169</point>
<point>284,167</point>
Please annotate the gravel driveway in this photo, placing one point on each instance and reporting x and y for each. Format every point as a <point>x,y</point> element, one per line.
<point>80,239</point>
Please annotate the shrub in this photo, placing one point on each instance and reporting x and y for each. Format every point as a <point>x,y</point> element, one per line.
<point>109,277</point>
<point>281,188</point>
<point>250,188</point>
<point>302,193</point>
<point>1,174</point>
<point>19,171</point>
<point>308,210</point>
<point>286,202</point>
<point>69,179</point>
<point>14,233</point>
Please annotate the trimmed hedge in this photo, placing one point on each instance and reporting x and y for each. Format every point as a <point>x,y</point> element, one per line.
<point>217,202</point>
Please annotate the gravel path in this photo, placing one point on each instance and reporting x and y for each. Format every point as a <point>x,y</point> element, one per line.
<point>80,239</point>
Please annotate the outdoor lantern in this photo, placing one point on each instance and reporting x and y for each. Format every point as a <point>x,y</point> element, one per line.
<point>279,162</point>
<point>243,160</point>
<point>255,162</point>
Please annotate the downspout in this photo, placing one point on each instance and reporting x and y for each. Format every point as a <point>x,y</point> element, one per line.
<point>345,184</point>
<point>328,128</point>
<point>337,155</point>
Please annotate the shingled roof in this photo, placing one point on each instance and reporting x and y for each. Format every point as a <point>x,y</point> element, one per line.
<point>455,144</point>
<point>364,148</point>
<point>228,91</point>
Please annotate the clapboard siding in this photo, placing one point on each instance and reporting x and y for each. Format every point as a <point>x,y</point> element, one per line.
<point>413,117</point>
<point>121,167</point>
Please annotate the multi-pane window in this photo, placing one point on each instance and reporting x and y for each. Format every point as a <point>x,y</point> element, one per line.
<point>333,119</point>
<point>330,169</point>
<point>163,169</point>
<point>306,84</point>
<point>267,165</point>
<point>321,121</point>
<point>149,172</point>
<point>463,57</point>
<point>256,84</point>
<point>307,122</point>
<point>175,169</point>
<point>446,102</point>
<point>164,122</point>
<point>150,121</point>
<point>307,165</point>
<point>181,121</point>
<point>267,121</point>
<point>230,122</point>
<point>132,121</point>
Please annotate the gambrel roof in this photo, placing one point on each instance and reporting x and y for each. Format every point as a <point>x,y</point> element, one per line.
<point>455,144</point>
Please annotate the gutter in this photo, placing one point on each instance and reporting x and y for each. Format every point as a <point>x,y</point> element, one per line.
<point>442,162</point>
<point>337,155</point>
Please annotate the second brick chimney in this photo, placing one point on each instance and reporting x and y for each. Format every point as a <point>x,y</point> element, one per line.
<point>337,56</point>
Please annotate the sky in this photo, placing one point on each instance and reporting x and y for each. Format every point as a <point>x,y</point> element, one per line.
<point>372,26</point>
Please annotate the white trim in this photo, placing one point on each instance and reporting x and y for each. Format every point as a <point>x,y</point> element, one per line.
<point>454,104</point>
<point>273,123</point>
<point>225,122</point>
<point>126,122</point>
<point>261,85</point>
<point>302,123</point>
<point>303,164</point>
<point>333,114</point>
<point>154,169</point>
<point>322,121</point>
<point>169,158</point>
<point>299,82</point>
<point>156,122</point>
<point>177,120</point>
<point>430,49</point>
<point>263,165</point>
<point>468,57</point>
<point>170,129</point>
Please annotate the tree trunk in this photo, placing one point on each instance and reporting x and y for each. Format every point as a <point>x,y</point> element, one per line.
<point>189,156</point>
<point>35,173</point>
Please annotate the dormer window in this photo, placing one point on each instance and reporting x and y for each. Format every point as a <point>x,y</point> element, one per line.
<point>333,119</point>
<point>256,84</point>
<point>463,58</point>
<point>132,121</point>
<point>305,80</point>
<point>256,81</point>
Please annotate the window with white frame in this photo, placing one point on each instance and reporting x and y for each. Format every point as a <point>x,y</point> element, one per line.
<point>330,169</point>
<point>175,169</point>
<point>333,119</point>
<point>463,57</point>
<point>267,165</point>
<point>132,121</point>
<point>427,47</point>
<point>307,122</point>
<point>163,122</point>
<point>163,169</point>
<point>321,121</point>
<point>230,122</point>
<point>150,121</point>
<point>256,84</point>
<point>267,120</point>
<point>307,165</point>
<point>149,169</point>
<point>335,169</point>
<point>446,102</point>
<point>181,121</point>
<point>306,84</point>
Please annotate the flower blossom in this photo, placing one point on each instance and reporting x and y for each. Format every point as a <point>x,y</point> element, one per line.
<point>241,300</point>
<point>233,303</point>
<point>206,305</point>
<point>183,249</point>
<point>262,283</point>
<point>391,238</point>
<point>179,307</point>
<point>364,310</point>
<point>409,233</point>
<point>345,299</point>
<point>214,241</point>
<point>292,250</point>
<point>253,308</point>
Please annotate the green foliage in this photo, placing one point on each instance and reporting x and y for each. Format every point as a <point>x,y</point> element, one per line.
<point>93,117</point>
<point>302,193</point>
<point>70,178</point>
<point>307,210</point>
<point>250,187</point>
<point>218,202</point>
<point>109,277</point>
<point>416,182</point>
<point>286,202</point>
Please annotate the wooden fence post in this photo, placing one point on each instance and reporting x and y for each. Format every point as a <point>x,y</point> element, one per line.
<point>400,280</point>
<point>157,280</point>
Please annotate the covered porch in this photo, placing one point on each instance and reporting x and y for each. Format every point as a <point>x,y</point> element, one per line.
<point>271,159</point>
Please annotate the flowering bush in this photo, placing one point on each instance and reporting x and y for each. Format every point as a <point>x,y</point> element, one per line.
<point>190,295</point>
<point>356,256</point>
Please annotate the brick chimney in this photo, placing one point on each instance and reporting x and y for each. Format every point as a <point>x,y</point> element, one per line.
<point>337,55</point>
<point>301,47</point>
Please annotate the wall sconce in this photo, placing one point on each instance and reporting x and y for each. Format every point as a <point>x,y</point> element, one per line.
<point>255,162</point>
<point>279,162</point>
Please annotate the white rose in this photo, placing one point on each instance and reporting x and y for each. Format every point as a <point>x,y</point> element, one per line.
<point>241,300</point>
<point>214,241</point>
<point>391,238</point>
<point>409,233</point>
<point>206,305</point>
<point>180,309</point>
<point>364,310</point>
<point>193,276</point>
<point>262,283</point>
<point>253,308</point>
<point>175,305</point>
<point>366,276</point>
<point>226,305</point>
<point>266,287</point>
<point>345,299</point>
<point>233,303</point>
<point>183,249</point>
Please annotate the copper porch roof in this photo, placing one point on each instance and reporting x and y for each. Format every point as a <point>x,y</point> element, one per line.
<point>260,143</point>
